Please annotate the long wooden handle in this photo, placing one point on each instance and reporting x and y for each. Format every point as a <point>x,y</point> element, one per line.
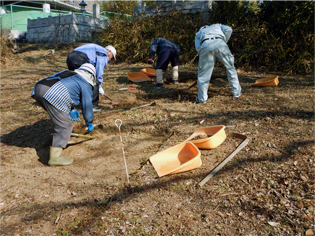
<point>192,85</point>
<point>108,97</point>
<point>145,105</point>
<point>223,163</point>
<point>81,135</point>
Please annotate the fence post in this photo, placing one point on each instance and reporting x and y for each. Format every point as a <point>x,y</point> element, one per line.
<point>11,8</point>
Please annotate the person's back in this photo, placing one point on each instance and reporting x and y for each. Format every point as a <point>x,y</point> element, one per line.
<point>167,51</point>
<point>92,50</point>
<point>167,43</point>
<point>216,30</point>
<point>87,46</point>
<point>160,44</point>
<point>96,55</point>
<point>211,44</point>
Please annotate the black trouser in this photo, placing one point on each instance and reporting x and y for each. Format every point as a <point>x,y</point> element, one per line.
<point>74,61</point>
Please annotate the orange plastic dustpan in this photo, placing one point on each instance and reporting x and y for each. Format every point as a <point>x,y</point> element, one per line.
<point>149,72</point>
<point>182,157</point>
<point>217,133</point>
<point>137,77</point>
<point>270,81</point>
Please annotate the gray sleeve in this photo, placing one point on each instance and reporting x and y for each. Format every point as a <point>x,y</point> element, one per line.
<point>227,30</point>
<point>197,41</point>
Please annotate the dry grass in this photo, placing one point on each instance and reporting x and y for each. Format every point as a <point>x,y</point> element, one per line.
<point>267,189</point>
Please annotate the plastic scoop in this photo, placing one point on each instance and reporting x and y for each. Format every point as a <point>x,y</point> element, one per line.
<point>216,133</point>
<point>270,81</point>
<point>149,72</point>
<point>137,77</point>
<point>182,157</point>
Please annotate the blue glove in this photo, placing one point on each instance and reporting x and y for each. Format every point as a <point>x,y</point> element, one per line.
<point>90,126</point>
<point>74,114</point>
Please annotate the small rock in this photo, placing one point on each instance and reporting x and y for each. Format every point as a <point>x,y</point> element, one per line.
<point>273,223</point>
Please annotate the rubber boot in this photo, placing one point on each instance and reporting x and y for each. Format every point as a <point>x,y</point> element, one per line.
<point>55,158</point>
<point>175,74</point>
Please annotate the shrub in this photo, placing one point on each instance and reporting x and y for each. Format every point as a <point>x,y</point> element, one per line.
<point>132,38</point>
<point>6,49</point>
<point>271,36</point>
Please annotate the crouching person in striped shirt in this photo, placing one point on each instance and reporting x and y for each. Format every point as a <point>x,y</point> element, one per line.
<point>58,94</point>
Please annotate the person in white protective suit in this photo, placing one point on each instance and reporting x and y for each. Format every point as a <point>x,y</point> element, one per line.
<point>211,43</point>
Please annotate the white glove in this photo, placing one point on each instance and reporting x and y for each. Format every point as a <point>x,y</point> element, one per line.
<point>101,91</point>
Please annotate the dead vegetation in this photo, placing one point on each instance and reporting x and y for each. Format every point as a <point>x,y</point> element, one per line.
<point>266,189</point>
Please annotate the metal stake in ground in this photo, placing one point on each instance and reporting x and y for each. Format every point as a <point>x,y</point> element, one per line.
<point>122,145</point>
<point>226,160</point>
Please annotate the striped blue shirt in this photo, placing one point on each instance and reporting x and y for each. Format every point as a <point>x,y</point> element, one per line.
<point>69,92</point>
<point>59,97</point>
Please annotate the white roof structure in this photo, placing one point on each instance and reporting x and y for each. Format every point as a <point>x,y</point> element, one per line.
<point>54,4</point>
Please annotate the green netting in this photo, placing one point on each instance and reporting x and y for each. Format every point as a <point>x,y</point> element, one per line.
<point>20,19</point>
<point>16,16</point>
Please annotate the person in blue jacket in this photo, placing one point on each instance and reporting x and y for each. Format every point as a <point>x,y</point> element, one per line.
<point>167,51</point>
<point>211,43</point>
<point>98,56</point>
<point>58,94</point>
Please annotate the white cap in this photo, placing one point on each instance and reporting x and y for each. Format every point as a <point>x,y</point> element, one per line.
<point>89,68</point>
<point>112,49</point>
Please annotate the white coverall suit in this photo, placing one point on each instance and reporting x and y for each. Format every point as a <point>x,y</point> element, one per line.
<point>210,43</point>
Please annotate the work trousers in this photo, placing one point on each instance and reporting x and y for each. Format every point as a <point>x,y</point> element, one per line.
<point>61,120</point>
<point>74,61</point>
<point>166,56</point>
<point>210,50</point>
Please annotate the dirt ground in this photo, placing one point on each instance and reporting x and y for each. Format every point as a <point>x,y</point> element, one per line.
<point>266,189</point>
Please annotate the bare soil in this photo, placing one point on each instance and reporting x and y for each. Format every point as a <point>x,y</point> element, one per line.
<point>266,189</point>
